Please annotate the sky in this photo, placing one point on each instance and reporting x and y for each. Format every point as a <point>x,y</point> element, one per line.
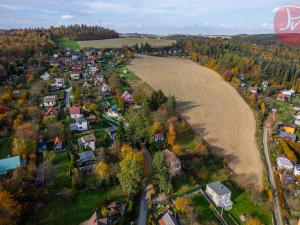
<point>145,16</point>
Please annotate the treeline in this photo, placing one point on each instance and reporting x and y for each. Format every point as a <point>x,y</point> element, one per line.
<point>83,32</point>
<point>277,64</point>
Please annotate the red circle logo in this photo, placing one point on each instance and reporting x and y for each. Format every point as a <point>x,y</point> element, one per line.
<point>287,24</point>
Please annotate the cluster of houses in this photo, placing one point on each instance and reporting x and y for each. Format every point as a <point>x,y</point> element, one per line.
<point>286,95</point>
<point>83,67</point>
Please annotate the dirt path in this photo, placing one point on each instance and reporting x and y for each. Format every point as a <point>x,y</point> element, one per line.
<point>212,107</point>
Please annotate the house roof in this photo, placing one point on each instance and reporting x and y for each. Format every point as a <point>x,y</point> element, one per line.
<point>74,110</point>
<point>168,219</point>
<point>49,98</point>
<point>219,188</point>
<point>51,110</point>
<point>283,134</point>
<point>86,139</point>
<point>284,161</point>
<point>9,164</point>
<point>86,156</point>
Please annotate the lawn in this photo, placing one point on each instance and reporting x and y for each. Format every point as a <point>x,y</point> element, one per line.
<point>244,205</point>
<point>62,173</point>
<point>128,76</point>
<point>67,43</point>
<point>5,146</point>
<point>285,110</point>
<point>202,208</point>
<point>58,211</point>
<point>185,136</point>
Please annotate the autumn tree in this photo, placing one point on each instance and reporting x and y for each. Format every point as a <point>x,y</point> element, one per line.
<point>288,151</point>
<point>125,150</point>
<point>161,172</point>
<point>131,172</point>
<point>24,142</point>
<point>182,205</point>
<point>102,170</point>
<point>157,127</point>
<point>171,136</point>
<point>9,209</point>
<point>254,221</point>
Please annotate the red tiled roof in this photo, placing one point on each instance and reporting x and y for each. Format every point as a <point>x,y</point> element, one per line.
<point>51,110</point>
<point>74,110</point>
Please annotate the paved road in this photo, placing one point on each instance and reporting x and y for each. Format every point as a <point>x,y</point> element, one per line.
<point>143,211</point>
<point>276,210</point>
<point>67,98</point>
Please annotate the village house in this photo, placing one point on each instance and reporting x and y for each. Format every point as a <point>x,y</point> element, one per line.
<point>253,90</point>
<point>79,124</point>
<point>158,137</point>
<point>112,113</point>
<point>219,194</point>
<point>57,143</point>
<point>75,112</point>
<point>87,141</point>
<point>297,119</point>
<point>297,170</point>
<point>93,69</point>
<point>112,132</point>
<point>168,219</point>
<point>285,95</point>
<point>49,101</point>
<point>173,163</point>
<point>45,76</point>
<point>287,136</point>
<point>86,161</point>
<point>284,163</point>
<point>58,82</point>
<point>9,164</point>
<point>105,89</point>
<point>265,84</point>
<point>51,112</point>
<point>127,97</point>
<point>74,75</point>
<point>99,80</point>
<point>288,127</point>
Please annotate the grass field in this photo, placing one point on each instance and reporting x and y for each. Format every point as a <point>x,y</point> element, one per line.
<point>211,106</point>
<point>67,43</point>
<point>128,75</point>
<point>81,208</point>
<point>5,146</point>
<point>120,42</point>
<point>243,205</point>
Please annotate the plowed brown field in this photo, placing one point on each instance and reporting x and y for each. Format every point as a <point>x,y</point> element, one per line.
<point>213,108</point>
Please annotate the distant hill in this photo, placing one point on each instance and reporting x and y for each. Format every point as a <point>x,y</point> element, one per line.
<point>265,39</point>
<point>2,31</point>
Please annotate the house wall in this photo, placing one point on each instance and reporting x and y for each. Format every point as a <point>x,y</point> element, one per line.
<point>82,126</point>
<point>73,116</point>
<point>47,104</point>
<point>216,198</point>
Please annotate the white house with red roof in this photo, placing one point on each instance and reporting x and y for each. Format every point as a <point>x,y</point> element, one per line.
<point>74,112</point>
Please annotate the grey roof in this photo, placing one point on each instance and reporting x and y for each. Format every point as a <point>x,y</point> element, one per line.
<point>297,167</point>
<point>219,188</point>
<point>86,156</point>
<point>283,134</point>
<point>169,219</point>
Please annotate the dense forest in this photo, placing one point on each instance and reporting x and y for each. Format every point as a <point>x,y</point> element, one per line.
<point>84,32</point>
<point>276,63</point>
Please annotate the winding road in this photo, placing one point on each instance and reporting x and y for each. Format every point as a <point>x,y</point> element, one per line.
<point>276,208</point>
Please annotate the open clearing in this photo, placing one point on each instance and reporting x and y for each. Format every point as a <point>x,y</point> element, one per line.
<point>120,42</point>
<point>212,107</point>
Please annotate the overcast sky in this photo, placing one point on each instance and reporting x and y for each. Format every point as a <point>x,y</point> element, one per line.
<point>145,16</point>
